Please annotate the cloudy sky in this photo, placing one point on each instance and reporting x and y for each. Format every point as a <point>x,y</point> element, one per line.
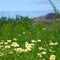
<point>37,6</point>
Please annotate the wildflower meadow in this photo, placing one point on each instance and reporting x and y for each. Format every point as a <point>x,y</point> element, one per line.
<point>24,39</point>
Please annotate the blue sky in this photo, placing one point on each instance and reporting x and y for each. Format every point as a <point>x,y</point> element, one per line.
<point>38,6</point>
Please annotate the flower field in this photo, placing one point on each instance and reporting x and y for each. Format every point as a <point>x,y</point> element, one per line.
<point>23,41</point>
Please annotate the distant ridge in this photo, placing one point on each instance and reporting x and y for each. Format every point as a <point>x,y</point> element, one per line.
<point>47,16</point>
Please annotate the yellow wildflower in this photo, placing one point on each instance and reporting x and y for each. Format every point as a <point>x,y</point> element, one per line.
<point>10,52</point>
<point>52,57</point>
<point>32,41</point>
<point>51,43</point>
<point>43,53</point>
<point>19,50</point>
<point>15,39</point>
<point>38,40</point>
<point>0,46</point>
<point>15,44</point>
<point>8,40</point>
<point>5,42</point>
<point>7,47</point>
<point>40,48</point>
<point>39,55</point>
<point>56,43</point>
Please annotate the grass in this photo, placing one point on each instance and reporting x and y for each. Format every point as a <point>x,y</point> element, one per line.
<point>26,42</point>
